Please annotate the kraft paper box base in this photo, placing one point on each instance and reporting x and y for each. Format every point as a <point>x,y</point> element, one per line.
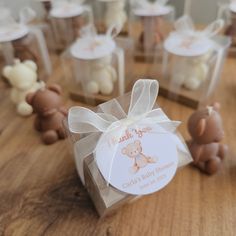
<point>107,198</point>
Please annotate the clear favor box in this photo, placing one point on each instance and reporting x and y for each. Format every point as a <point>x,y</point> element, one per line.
<point>110,12</point>
<point>23,41</point>
<point>192,62</point>
<point>95,67</point>
<point>66,19</point>
<point>105,196</point>
<point>150,24</point>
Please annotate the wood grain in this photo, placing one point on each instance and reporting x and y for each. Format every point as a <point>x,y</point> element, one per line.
<point>41,194</point>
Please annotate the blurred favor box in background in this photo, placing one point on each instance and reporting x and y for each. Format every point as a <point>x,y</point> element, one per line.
<point>95,66</point>
<point>23,40</point>
<point>149,25</point>
<point>227,11</point>
<point>192,62</point>
<point>109,12</point>
<point>66,19</point>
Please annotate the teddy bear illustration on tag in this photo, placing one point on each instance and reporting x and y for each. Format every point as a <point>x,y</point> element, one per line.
<point>134,151</point>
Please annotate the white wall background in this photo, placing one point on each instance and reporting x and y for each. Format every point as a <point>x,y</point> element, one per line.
<point>202,11</point>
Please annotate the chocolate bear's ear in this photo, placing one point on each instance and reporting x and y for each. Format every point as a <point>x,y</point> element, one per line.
<point>216,106</point>
<point>137,142</point>
<point>124,151</point>
<point>201,126</point>
<point>55,88</point>
<point>30,98</point>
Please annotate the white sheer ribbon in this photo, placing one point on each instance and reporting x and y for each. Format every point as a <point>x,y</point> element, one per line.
<point>184,26</point>
<point>102,125</point>
<point>27,14</point>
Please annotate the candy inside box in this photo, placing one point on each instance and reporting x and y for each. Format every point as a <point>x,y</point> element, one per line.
<point>107,198</point>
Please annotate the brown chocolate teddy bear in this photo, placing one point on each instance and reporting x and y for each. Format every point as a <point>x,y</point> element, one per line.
<point>50,114</point>
<point>206,130</point>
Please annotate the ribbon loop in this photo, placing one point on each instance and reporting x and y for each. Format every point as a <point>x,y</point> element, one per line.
<point>6,19</point>
<point>88,31</point>
<point>27,14</point>
<point>143,97</point>
<point>113,30</point>
<point>185,26</point>
<point>214,28</point>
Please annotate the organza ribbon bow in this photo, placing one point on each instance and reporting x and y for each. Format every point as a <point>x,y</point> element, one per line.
<point>184,26</point>
<point>114,122</point>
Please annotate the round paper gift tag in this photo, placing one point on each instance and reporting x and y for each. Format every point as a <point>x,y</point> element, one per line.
<point>88,48</point>
<point>66,10</point>
<point>152,10</point>
<point>139,160</point>
<point>13,32</point>
<point>188,46</point>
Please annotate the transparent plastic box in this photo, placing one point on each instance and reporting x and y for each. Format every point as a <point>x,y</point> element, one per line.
<point>24,41</point>
<point>97,68</point>
<point>191,67</point>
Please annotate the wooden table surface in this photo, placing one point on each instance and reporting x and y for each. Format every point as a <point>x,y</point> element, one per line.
<point>41,194</point>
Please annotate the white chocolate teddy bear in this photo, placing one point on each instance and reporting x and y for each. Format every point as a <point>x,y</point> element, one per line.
<point>115,14</point>
<point>191,72</point>
<point>102,76</point>
<point>23,78</point>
